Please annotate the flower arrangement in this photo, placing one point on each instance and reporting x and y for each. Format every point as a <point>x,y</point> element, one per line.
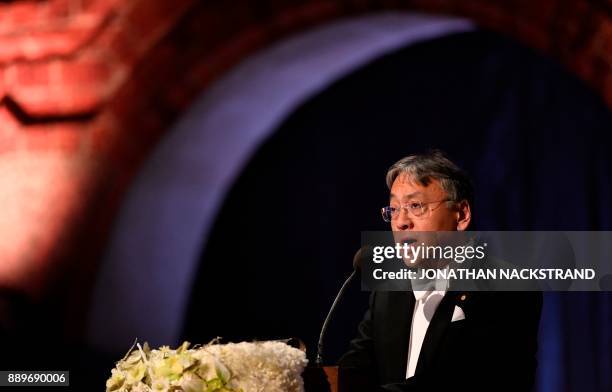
<point>270,366</point>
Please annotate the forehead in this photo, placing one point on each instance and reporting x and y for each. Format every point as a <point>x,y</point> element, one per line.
<point>405,186</point>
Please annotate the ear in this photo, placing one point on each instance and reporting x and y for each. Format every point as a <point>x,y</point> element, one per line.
<point>464,215</point>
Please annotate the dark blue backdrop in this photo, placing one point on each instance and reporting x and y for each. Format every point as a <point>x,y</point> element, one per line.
<point>533,137</point>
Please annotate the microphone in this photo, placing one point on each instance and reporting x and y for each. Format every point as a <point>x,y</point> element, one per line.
<point>361,255</point>
<point>364,254</point>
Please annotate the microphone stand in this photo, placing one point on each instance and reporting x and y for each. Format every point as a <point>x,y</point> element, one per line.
<point>319,359</point>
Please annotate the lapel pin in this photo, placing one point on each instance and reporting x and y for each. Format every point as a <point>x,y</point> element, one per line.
<point>463,297</point>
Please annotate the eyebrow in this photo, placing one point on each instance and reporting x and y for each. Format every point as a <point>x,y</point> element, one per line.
<point>409,196</point>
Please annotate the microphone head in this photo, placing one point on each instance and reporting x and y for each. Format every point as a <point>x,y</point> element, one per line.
<point>363,255</point>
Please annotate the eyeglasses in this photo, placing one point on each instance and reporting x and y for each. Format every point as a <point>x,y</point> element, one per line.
<point>416,209</point>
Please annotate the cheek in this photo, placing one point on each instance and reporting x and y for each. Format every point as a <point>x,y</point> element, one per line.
<point>441,222</point>
<point>448,223</point>
<point>428,225</point>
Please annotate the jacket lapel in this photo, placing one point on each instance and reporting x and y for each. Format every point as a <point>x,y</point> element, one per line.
<point>398,335</point>
<point>435,332</point>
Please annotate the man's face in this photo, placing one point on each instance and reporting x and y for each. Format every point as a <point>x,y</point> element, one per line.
<point>439,217</point>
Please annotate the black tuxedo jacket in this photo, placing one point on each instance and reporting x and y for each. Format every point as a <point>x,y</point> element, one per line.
<point>492,349</point>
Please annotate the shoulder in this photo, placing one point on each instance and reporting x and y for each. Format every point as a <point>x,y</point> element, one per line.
<point>506,306</point>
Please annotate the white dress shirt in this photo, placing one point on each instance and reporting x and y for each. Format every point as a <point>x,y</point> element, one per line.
<point>428,297</point>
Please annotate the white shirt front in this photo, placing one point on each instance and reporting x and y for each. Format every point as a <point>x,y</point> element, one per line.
<point>427,301</point>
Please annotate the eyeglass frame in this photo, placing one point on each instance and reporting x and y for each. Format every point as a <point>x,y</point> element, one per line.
<point>404,206</point>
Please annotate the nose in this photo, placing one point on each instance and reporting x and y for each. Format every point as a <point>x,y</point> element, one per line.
<point>403,221</point>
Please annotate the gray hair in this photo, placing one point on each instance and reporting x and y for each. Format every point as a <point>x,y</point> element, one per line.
<point>434,164</point>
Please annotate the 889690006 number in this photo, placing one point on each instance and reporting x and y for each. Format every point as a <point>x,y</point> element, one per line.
<point>34,378</point>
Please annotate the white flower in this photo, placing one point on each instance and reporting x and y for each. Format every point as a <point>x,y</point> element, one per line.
<point>262,366</point>
<point>259,367</point>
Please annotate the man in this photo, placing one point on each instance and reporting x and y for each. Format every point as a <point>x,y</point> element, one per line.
<point>435,339</point>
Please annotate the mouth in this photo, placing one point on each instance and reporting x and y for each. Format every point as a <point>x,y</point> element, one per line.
<point>407,241</point>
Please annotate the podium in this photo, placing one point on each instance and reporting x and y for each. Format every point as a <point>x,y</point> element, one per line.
<point>332,379</point>
<point>321,379</point>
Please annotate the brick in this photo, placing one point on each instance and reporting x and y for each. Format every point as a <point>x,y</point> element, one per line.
<point>84,72</point>
<point>2,82</point>
<point>56,9</point>
<point>31,74</point>
<point>37,45</point>
<point>57,137</point>
<point>16,48</point>
<point>8,124</point>
<point>21,13</point>
<point>62,40</point>
<point>59,101</point>
<point>41,194</point>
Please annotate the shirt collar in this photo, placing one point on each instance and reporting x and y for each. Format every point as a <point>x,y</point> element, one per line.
<point>422,289</point>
